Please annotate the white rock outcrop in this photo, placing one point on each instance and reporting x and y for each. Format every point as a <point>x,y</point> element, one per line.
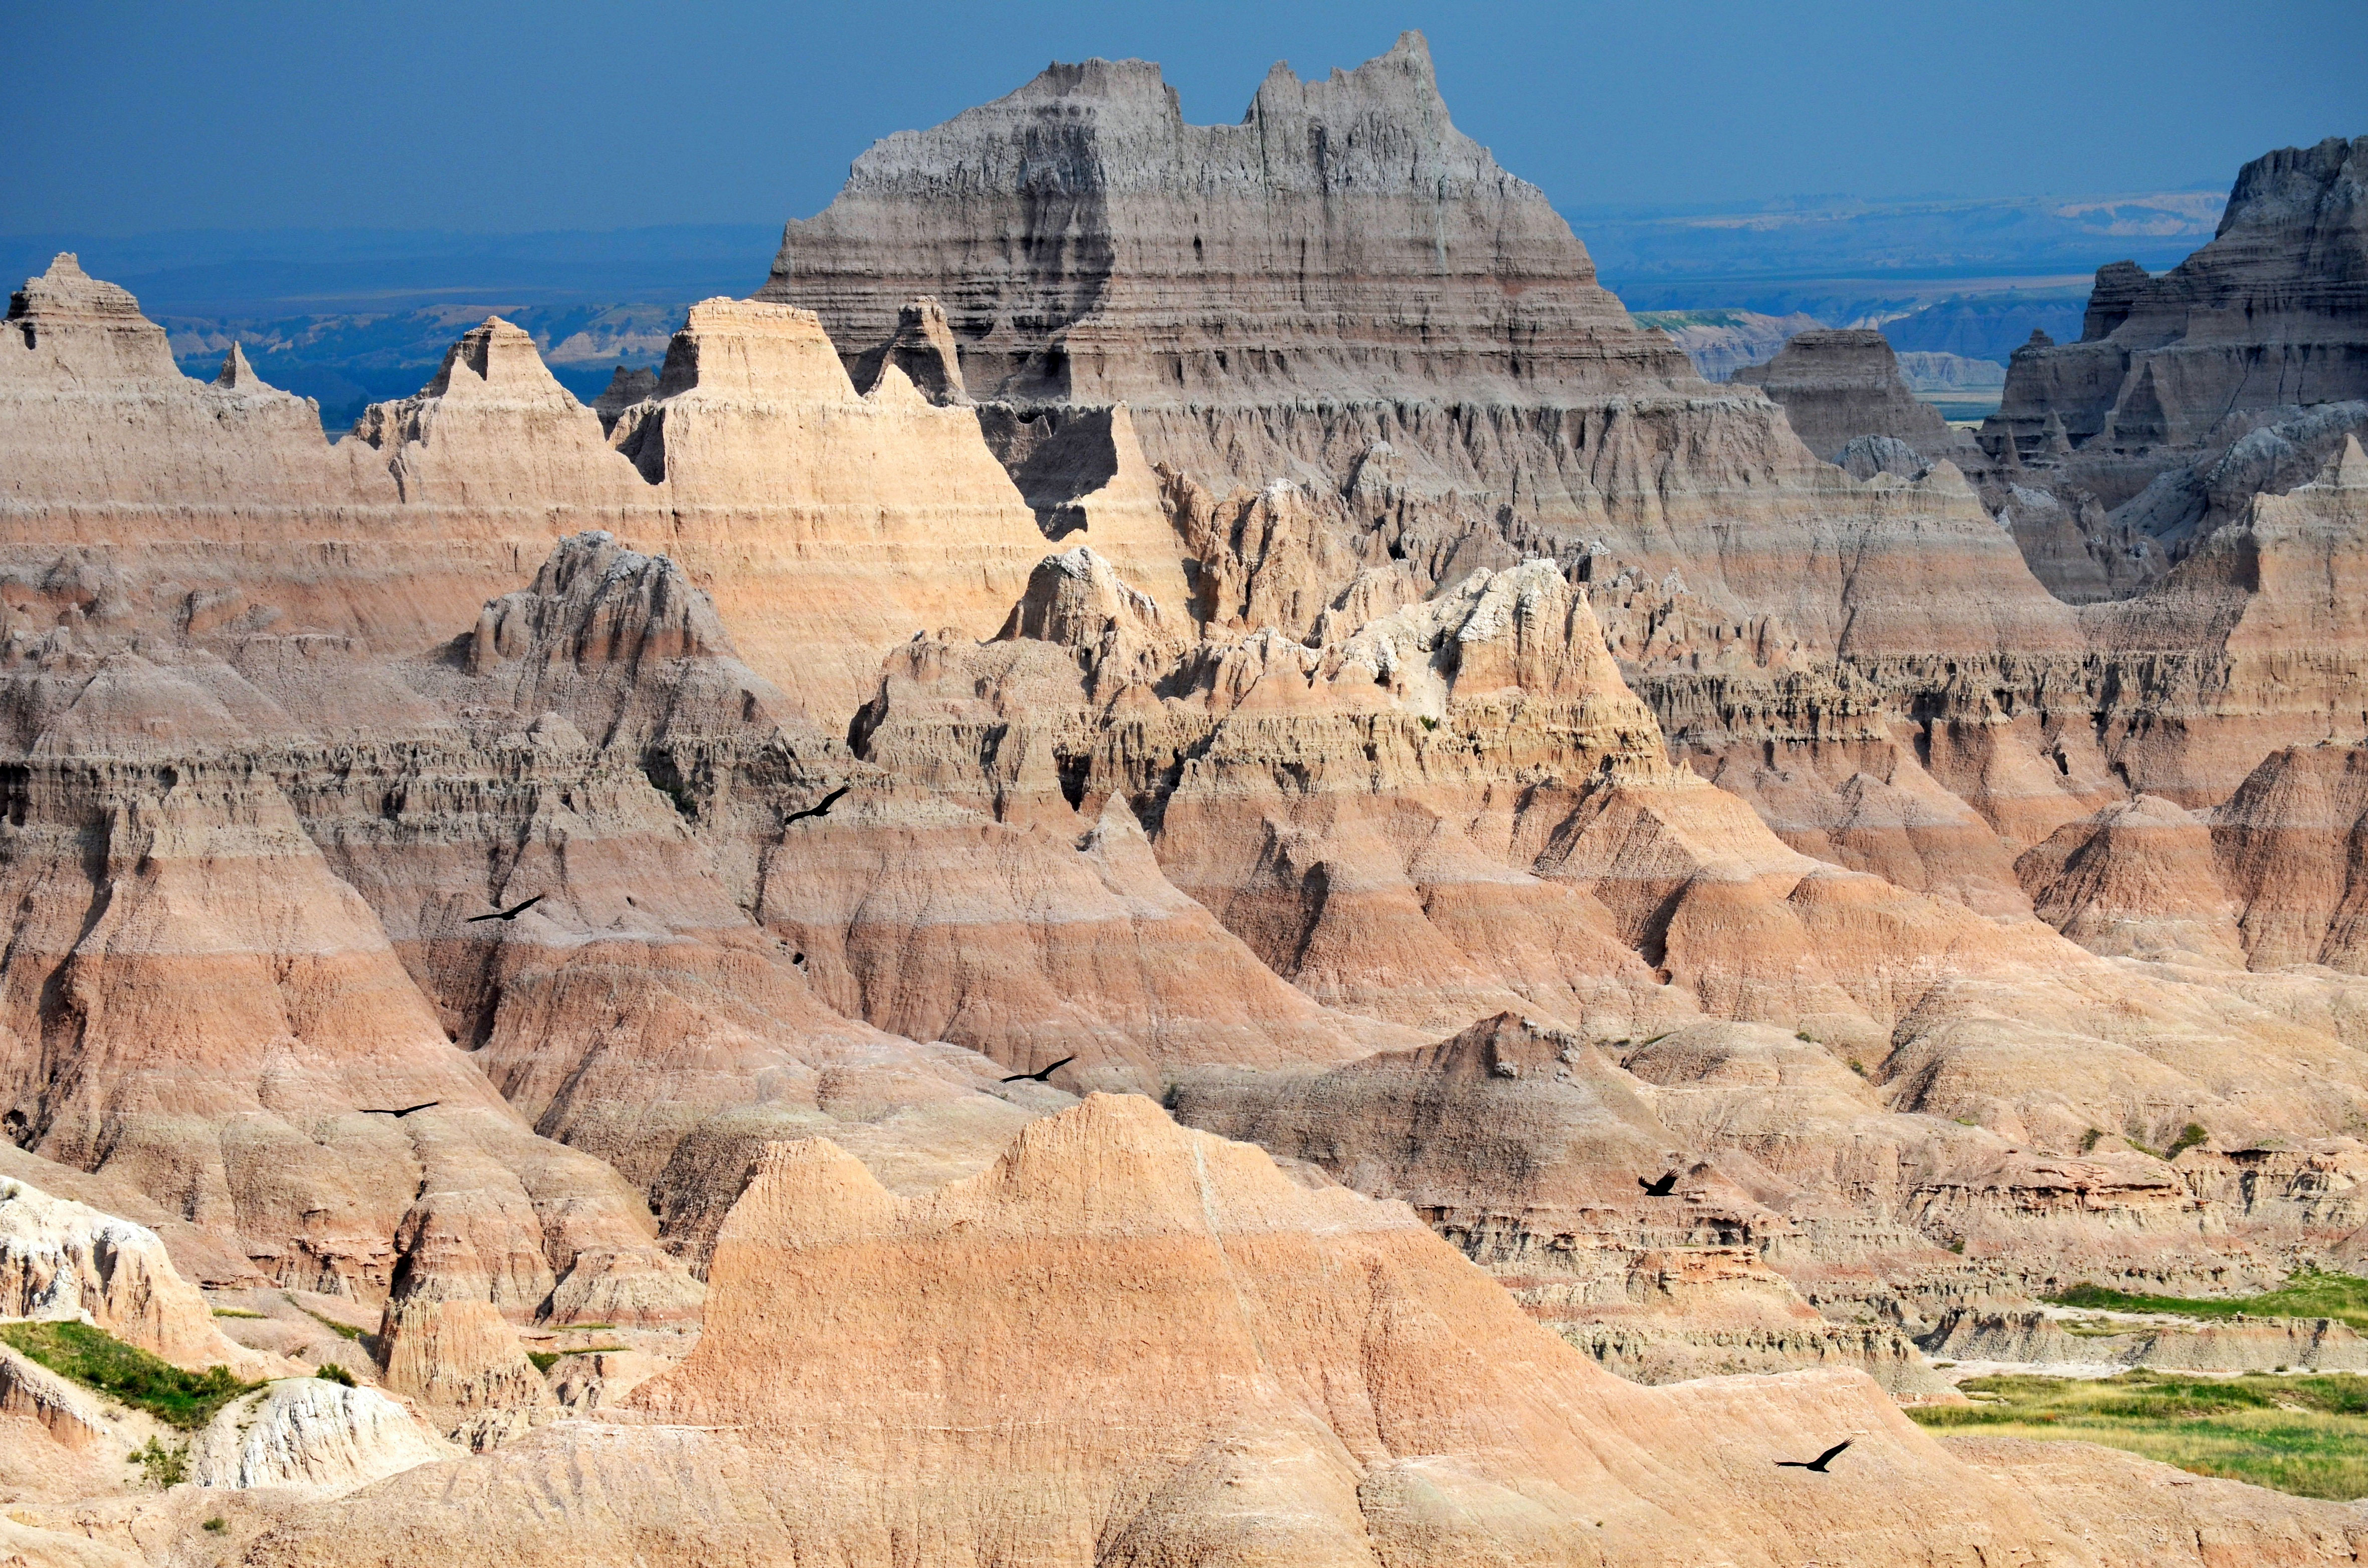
<point>59,1260</point>
<point>310,1433</point>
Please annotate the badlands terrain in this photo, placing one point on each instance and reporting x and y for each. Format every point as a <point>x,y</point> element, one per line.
<point>1177,859</point>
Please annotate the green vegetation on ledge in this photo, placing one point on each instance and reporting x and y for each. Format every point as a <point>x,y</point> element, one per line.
<point>2308,1294</point>
<point>99,1360</point>
<point>342,1330</point>
<point>2303,1435</point>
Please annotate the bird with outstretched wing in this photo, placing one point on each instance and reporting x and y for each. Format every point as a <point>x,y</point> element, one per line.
<point>823,810</point>
<point>1043,1077</point>
<point>512,913</point>
<point>1817,1464</point>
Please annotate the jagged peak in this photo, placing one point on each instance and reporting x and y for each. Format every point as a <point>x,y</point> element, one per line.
<point>237,375</point>
<point>2271,188</point>
<point>2347,470</point>
<point>66,292</point>
<point>495,354</point>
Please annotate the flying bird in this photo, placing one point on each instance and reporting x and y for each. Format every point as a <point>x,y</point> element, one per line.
<point>512,913</point>
<point>1658,1188</point>
<point>823,810</point>
<point>1817,1464</point>
<point>1043,1077</point>
<point>406,1110</point>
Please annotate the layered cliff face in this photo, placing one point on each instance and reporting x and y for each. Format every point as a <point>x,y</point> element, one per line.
<point>1342,294</point>
<point>81,360</point>
<point>2272,312</point>
<point>2251,644</point>
<point>2236,373</point>
<point>1467,398</point>
<point>1838,386</point>
<point>886,511</point>
<point>1345,234</point>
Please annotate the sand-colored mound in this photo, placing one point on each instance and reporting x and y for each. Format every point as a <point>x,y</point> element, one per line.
<point>1131,1344</point>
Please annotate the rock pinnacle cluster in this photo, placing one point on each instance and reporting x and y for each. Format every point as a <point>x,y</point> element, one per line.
<point>1177,859</point>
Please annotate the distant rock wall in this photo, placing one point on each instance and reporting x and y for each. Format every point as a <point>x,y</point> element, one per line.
<point>1835,385</point>
<point>2272,312</point>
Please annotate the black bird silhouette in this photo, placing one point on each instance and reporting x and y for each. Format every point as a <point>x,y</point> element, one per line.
<point>1658,1188</point>
<point>823,810</point>
<point>406,1110</point>
<point>1043,1077</point>
<point>512,913</point>
<point>1817,1464</point>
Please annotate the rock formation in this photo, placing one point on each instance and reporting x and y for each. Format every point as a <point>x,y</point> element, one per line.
<point>463,1362</point>
<point>888,511</point>
<point>2236,373</point>
<point>1001,1365</point>
<point>304,1433</point>
<point>1236,614</point>
<point>61,1260</point>
<point>2272,312</point>
<point>1837,386</point>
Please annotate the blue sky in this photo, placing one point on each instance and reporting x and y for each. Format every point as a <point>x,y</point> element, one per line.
<point>121,117</point>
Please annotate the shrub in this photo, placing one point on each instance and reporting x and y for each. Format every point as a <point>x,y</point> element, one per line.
<point>164,1466</point>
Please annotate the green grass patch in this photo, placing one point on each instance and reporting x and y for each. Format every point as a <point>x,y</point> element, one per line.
<point>234,1312</point>
<point>76,1350</point>
<point>2309,1293</point>
<point>544,1361</point>
<point>2303,1435</point>
<point>342,1330</point>
<point>2097,1328</point>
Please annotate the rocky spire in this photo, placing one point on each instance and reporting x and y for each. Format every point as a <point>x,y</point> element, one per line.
<point>237,375</point>
<point>2058,443</point>
<point>2348,469</point>
<point>923,347</point>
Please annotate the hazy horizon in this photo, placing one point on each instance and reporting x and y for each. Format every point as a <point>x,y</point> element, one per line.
<point>523,119</point>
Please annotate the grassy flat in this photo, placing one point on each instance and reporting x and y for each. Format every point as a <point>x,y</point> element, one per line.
<point>2303,1435</point>
<point>2308,1294</point>
<point>133,1377</point>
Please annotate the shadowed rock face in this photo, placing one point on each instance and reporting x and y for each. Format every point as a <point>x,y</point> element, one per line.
<point>2238,373</point>
<point>1090,247</point>
<point>1836,386</point>
<point>2273,312</point>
